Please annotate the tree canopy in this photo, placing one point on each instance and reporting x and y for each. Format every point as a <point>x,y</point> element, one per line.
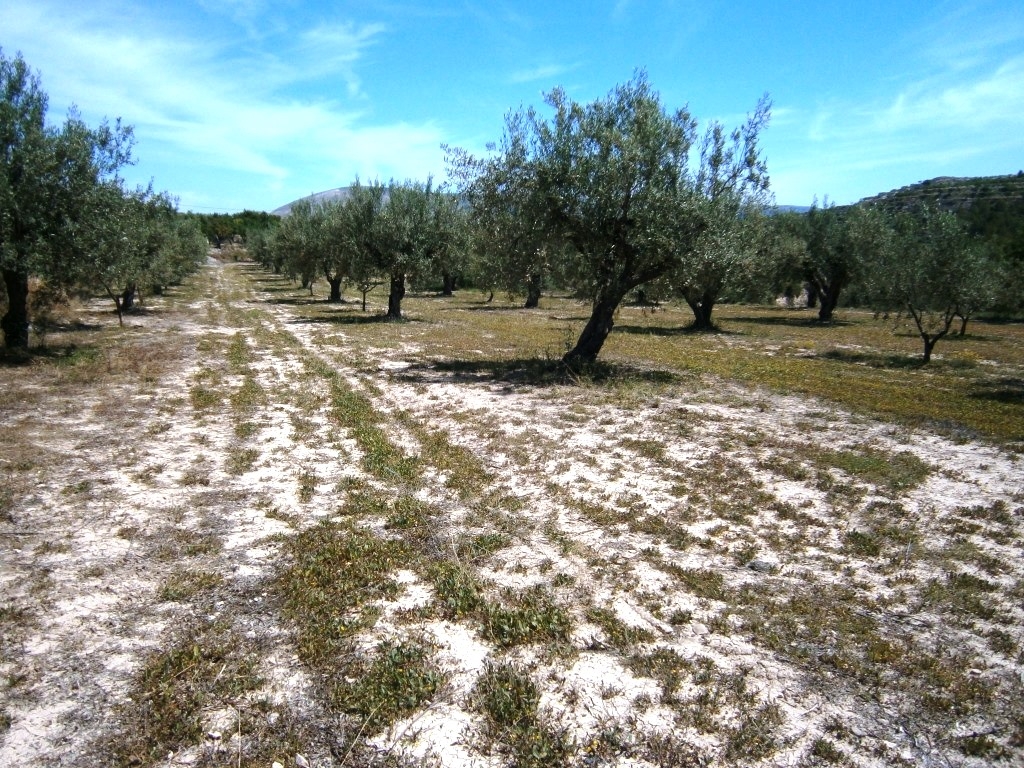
<point>65,215</point>
<point>608,187</point>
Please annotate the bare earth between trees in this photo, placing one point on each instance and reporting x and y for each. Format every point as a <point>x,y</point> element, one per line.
<point>253,528</point>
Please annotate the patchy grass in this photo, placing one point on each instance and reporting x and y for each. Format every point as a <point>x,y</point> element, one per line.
<point>741,520</point>
<point>507,696</point>
<point>204,668</point>
<point>396,680</point>
<point>184,585</point>
<point>381,457</point>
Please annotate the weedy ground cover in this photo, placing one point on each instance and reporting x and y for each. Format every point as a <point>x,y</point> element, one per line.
<point>426,542</point>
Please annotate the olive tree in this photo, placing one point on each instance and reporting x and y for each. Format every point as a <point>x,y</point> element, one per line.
<point>732,182</point>
<point>934,272</point>
<point>416,229</point>
<point>57,186</point>
<point>839,247</point>
<point>511,239</point>
<point>26,172</point>
<point>297,244</point>
<point>610,185</point>
<point>181,249</point>
<point>363,212</point>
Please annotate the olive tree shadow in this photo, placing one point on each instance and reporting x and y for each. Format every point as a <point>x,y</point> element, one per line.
<point>881,360</point>
<point>672,331</point>
<point>532,372</point>
<point>787,321</point>
<point>350,318</point>
<point>1006,389</point>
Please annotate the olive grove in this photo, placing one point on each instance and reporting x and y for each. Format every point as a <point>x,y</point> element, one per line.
<point>65,215</point>
<point>608,189</point>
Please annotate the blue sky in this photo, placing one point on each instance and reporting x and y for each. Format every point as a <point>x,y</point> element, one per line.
<point>251,104</point>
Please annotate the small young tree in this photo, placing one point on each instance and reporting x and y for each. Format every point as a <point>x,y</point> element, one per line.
<point>933,273</point>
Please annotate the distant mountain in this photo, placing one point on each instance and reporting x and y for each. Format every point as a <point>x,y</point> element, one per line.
<point>339,193</point>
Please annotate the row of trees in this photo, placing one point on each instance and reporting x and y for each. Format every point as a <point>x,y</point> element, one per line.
<point>602,200</point>
<point>622,197</point>
<point>66,216</point>
<point>222,228</point>
<point>393,233</point>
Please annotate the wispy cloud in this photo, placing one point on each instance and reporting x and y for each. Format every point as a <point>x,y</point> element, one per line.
<point>959,104</point>
<point>546,72</point>
<point>334,49</point>
<point>222,107</point>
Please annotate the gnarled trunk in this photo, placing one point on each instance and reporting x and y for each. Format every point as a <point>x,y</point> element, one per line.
<point>812,295</point>
<point>702,306</point>
<point>335,283</point>
<point>395,296</point>
<point>128,297</point>
<point>15,322</point>
<point>829,296</point>
<point>596,331</point>
<point>448,284</point>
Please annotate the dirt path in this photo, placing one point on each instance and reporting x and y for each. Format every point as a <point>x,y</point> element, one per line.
<point>663,578</point>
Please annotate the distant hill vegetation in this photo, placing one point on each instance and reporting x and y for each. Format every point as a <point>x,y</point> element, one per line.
<point>956,194</point>
<point>991,206</point>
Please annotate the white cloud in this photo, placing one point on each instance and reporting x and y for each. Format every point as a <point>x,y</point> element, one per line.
<point>335,48</point>
<point>545,72</point>
<point>990,99</point>
<point>213,105</point>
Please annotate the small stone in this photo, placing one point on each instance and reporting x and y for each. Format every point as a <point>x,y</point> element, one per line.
<point>213,735</point>
<point>301,761</point>
<point>276,764</point>
<point>699,629</point>
<point>761,566</point>
<point>273,717</point>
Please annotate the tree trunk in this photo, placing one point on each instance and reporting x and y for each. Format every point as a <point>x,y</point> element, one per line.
<point>702,309</point>
<point>533,291</point>
<point>128,297</point>
<point>596,331</point>
<point>335,283</point>
<point>812,295</point>
<point>829,299</point>
<point>963,325</point>
<point>929,345</point>
<point>15,322</point>
<point>396,295</point>
<point>448,284</point>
